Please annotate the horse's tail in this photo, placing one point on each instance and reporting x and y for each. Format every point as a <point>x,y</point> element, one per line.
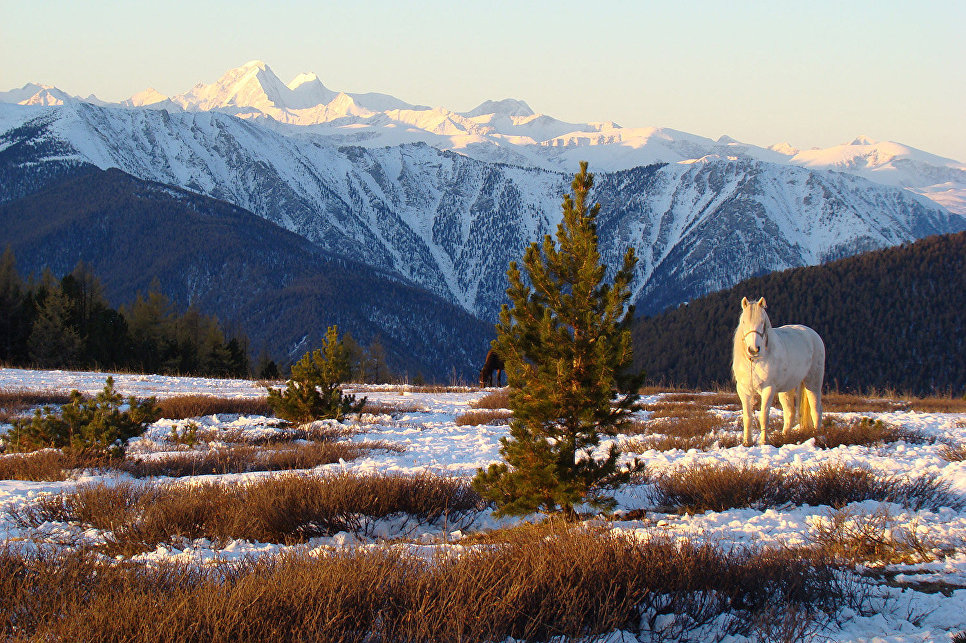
<point>804,411</point>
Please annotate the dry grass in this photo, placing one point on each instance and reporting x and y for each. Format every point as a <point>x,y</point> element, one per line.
<point>392,408</point>
<point>718,399</point>
<point>573,586</point>
<point>484,416</point>
<point>854,432</point>
<point>953,452</point>
<point>182,407</point>
<point>282,509</point>
<point>675,425</point>
<point>498,399</point>
<point>436,388</point>
<point>890,401</point>
<point>14,402</point>
<point>701,487</point>
<point>46,465</point>
<point>851,537</point>
<point>276,456</point>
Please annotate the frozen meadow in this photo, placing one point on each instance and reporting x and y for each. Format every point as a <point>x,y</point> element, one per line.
<point>908,602</point>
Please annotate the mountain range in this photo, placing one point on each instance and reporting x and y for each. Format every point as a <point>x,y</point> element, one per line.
<point>443,200</point>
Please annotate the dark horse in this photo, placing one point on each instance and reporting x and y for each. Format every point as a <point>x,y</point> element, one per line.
<point>493,363</point>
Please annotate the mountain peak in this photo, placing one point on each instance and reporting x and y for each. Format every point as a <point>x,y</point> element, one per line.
<point>255,64</point>
<point>505,107</point>
<point>862,140</point>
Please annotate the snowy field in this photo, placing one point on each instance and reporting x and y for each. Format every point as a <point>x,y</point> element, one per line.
<point>432,441</point>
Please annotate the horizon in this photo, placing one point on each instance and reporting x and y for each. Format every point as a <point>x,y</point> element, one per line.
<point>811,76</point>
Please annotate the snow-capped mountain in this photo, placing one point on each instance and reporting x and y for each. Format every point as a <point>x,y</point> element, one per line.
<point>509,131</point>
<point>451,223</point>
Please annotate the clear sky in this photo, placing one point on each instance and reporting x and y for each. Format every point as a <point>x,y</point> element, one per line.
<point>808,72</point>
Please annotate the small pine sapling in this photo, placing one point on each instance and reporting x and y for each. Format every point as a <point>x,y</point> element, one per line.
<point>314,390</point>
<point>567,349</point>
<point>95,426</point>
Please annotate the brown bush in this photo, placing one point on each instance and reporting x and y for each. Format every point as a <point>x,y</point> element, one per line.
<point>853,538</point>
<point>718,398</point>
<point>855,432</point>
<point>245,459</point>
<point>953,452</point>
<point>283,509</point>
<point>47,465</point>
<point>498,399</point>
<point>391,408</point>
<point>14,402</point>
<point>181,407</point>
<point>891,401</point>
<point>484,416</point>
<point>679,426</point>
<point>700,487</point>
<point>572,586</point>
<point>716,487</point>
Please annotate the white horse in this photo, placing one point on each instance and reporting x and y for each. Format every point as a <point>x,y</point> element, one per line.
<point>789,361</point>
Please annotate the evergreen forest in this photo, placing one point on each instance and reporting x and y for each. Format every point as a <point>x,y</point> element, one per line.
<point>891,319</point>
<point>68,323</point>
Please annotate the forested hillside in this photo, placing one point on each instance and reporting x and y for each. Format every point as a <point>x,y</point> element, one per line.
<point>890,319</point>
<point>257,278</point>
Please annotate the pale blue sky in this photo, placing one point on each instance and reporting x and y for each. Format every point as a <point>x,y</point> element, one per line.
<point>810,72</point>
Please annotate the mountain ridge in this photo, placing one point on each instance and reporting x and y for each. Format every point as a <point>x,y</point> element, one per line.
<point>509,131</point>
<point>452,223</point>
<point>281,289</point>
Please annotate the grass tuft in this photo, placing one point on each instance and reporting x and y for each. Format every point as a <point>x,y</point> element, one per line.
<point>484,416</point>
<point>700,487</point>
<point>285,509</point>
<point>850,537</point>
<point>498,399</point>
<point>182,407</point>
<point>573,586</point>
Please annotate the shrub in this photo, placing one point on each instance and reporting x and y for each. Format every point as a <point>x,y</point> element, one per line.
<point>953,452</point>
<point>267,456</point>
<point>313,392</point>
<point>856,432</point>
<point>574,586</point>
<point>286,509</point>
<point>182,407</point>
<point>859,538</point>
<point>46,465</point>
<point>83,425</point>
<point>483,416</point>
<point>702,487</point>
<point>498,399</point>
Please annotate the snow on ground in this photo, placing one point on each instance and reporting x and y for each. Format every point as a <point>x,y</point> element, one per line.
<point>433,442</point>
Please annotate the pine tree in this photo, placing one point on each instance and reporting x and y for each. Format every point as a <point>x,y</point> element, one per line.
<point>53,342</point>
<point>567,349</point>
<point>14,320</point>
<point>314,391</point>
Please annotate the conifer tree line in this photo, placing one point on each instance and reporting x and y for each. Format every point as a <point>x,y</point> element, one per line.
<point>68,323</point>
<point>891,319</point>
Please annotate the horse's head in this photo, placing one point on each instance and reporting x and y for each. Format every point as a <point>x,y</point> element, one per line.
<point>753,327</point>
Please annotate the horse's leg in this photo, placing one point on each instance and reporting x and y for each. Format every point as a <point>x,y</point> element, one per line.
<point>746,399</point>
<point>815,407</point>
<point>767,397</point>
<point>787,399</point>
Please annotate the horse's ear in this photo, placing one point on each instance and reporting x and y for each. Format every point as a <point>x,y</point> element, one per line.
<point>744,302</point>
<point>761,302</point>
